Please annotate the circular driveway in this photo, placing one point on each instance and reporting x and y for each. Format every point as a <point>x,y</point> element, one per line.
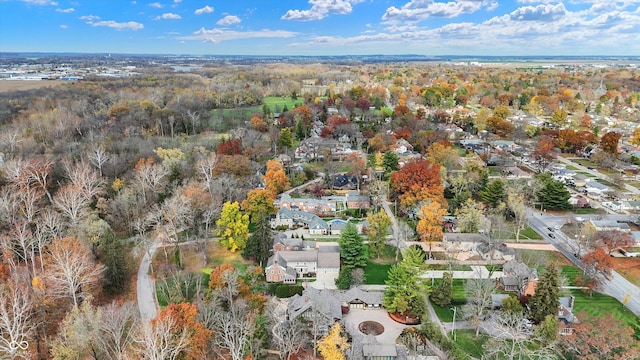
<point>392,329</point>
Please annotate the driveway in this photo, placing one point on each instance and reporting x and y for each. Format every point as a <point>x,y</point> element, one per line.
<point>145,286</point>
<point>392,329</point>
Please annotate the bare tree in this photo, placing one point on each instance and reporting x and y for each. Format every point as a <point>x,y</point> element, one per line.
<point>205,168</point>
<point>98,157</point>
<point>37,172</point>
<point>85,179</point>
<point>28,202</point>
<point>71,202</point>
<point>150,177</point>
<point>289,336</point>
<point>117,329</point>
<point>72,269</point>
<point>24,244</point>
<point>479,300</point>
<point>232,327</point>
<point>161,339</point>
<point>16,319</point>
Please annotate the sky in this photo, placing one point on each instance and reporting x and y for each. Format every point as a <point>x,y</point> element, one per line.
<point>323,27</point>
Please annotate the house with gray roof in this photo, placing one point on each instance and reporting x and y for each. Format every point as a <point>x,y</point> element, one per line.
<point>294,218</point>
<point>333,303</point>
<point>296,258</point>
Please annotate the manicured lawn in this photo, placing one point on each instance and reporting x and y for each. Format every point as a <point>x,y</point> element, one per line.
<point>471,344</point>
<point>586,211</point>
<point>584,162</point>
<point>280,102</point>
<point>597,304</point>
<point>529,233</point>
<point>376,273</point>
<point>458,298</point>
<point>494,170</point>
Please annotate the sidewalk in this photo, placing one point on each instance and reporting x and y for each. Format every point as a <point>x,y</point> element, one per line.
<point>476,272</point>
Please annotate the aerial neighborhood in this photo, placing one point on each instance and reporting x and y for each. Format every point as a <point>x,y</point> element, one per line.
<point>238,208</point>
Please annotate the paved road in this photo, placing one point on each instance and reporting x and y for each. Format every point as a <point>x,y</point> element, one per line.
<point>145,286</point>
<point>618,287</point>
<point>596,173</point>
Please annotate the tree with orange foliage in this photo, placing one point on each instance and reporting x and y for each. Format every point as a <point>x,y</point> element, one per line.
<point>609,142</point>
<point>257,123</point>
<point>544,152</point>
<point>275,178</point>
<point>230,147</point>
<point>430,224</point>
<point>442,153</point>
<point>419,180</point>
<point>184,316</point>
<point>602,337</point>
<point>226,282</point>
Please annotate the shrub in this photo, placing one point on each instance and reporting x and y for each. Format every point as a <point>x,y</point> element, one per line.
<point>286,291</point>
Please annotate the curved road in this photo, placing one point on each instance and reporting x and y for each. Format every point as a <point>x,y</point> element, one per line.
<point>145,286</point>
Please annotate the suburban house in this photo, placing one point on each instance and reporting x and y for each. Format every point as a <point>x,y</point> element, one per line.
<point>518,278</point>
<point>332,304</point>
<point>294,218</point>
<point>596,188</point>
<point>609,225</point>
<point>316,206</point>
<point>566,316</point>
<point>355,200</point>
<point>292,260</point>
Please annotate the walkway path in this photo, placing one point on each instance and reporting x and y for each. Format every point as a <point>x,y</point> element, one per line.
<point>476,272</point>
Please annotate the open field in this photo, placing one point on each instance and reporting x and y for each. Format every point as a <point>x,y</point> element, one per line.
<point>277,103</point>
<point>20,85</point>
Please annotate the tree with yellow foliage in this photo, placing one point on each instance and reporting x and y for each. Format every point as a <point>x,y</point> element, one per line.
<point>333,346</point>
<point>259,202</point>
<point>233,226</point>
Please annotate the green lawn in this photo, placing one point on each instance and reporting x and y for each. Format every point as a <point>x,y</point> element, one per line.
<point>529,233</point>
<point>597,304</point>
<point>586,211</point>
<point>280,102</point>
<point>584,162</point>
<point>458,298</point>
<point>376,273</point>
<point>471,344</point>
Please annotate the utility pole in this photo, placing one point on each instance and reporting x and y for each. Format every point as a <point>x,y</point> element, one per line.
<point>453,330</point>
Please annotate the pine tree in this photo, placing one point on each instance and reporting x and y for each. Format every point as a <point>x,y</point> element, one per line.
<point>353,250</point>
<point>115,273</point>
<point>441,294</point>
<point>545,301</point>
<point>260,242</point>
<point>493,194</point>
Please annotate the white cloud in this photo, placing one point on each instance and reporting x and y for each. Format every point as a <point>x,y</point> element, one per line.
<point>320,9</point>
<point>217,35</point>
<point>168,16</point>
<point>156,5</point>
<point>63,26</point>
<point>418,10</point>
<point>41,2</point>
<point>538,13</point>
<point>69,10</point>
<point>89,18</point>
<point>129,25</point>
<point>205,10</point>
<point>229,20</point>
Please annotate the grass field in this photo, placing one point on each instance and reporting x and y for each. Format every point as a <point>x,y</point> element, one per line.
<point>277,103</point>
<point>584,162</point>
<point>458,298</point>
<point>471,344</point>
<point>376,273</point>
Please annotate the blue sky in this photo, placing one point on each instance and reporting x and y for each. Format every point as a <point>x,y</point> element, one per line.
<point>323,27</point>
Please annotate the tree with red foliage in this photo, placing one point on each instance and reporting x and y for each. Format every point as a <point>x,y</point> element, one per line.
<point>597,266</point>
<point>613,239</point>
<point>230,147</point>
<point>418,180</point>
<point>544,151</point>
<point>603,337</point>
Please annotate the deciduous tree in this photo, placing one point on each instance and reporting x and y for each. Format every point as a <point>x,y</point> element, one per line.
<point>478,300</point>
<point>334,344</point>
<point>275,178</point>
<point>233,226</point>
<point>259,203</point>
<point>17,320</point>
<point>72,270</point>
<point>418,180</point>
<point>609,142</point>
<point>377,231</point>
<point>614,239</point>
<point>603,337</point>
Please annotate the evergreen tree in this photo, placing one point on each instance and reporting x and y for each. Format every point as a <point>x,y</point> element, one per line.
<point>493,194</point>
<point>554,195</point>
<point>545,301</point>
<point>285,140</point>
<point>353,250</point>
<point>390,161</point>
<point>115,273</point>
<point>300,133</point>
<point>343,281</point>
<point>259,243</point>
<point>441,294</point>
